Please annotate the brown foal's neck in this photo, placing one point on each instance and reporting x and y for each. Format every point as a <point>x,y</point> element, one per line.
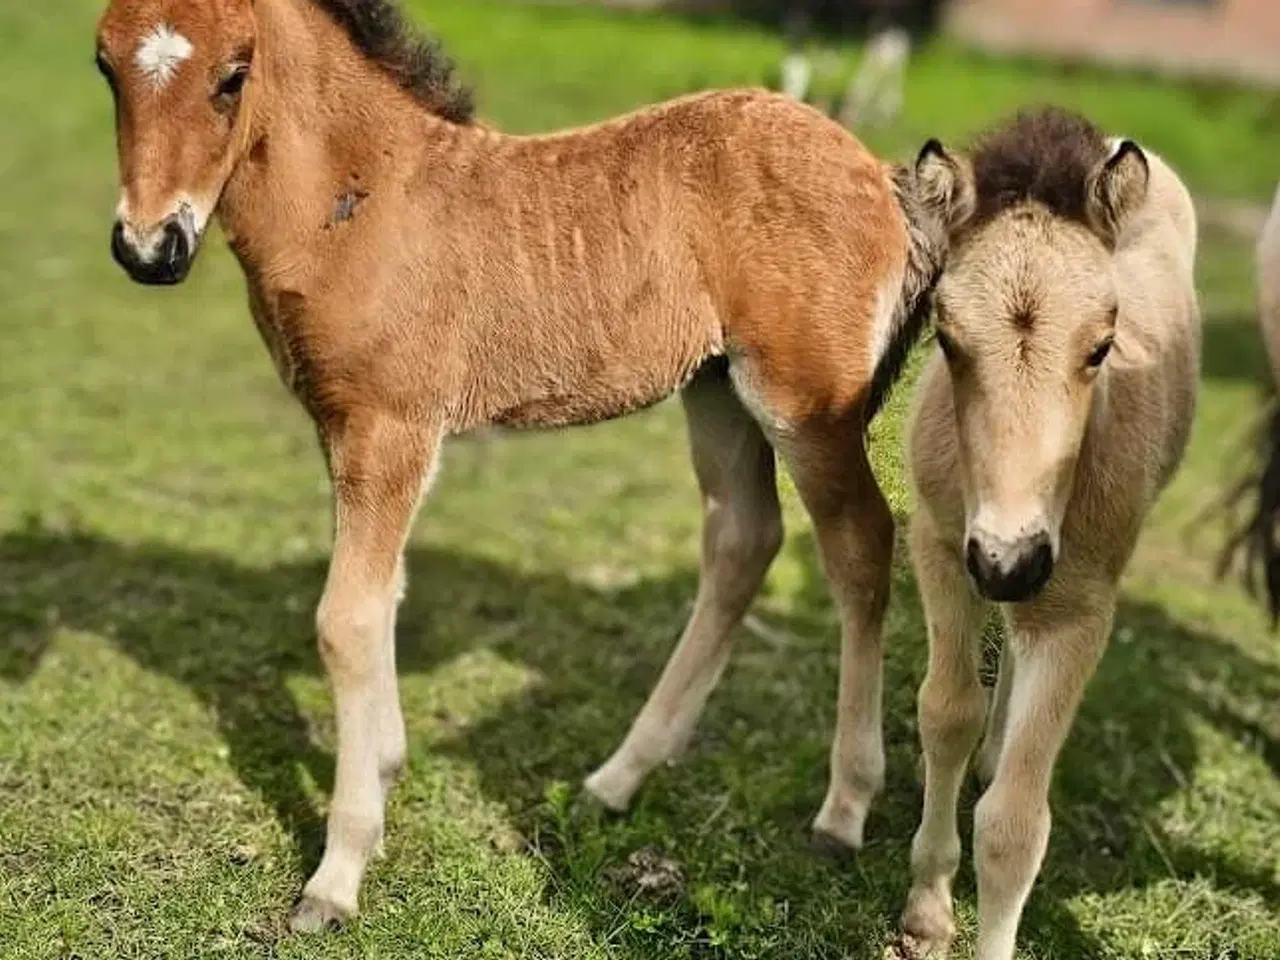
<point>327,124</point>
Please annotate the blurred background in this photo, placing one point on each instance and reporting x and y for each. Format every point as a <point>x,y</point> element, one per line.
<point>1229,38</point>
<point>165,731</point>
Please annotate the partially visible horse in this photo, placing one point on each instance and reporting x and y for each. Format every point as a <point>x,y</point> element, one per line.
<point>1259,535</point>
<point>1055,411</point>
<point>415,275</point>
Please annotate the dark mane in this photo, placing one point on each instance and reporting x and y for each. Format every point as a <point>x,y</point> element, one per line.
<point>926,256</point>
<point>416,62</point>
<point>1043,155</point>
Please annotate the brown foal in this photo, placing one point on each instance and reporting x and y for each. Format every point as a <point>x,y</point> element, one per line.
<point>415,274</point>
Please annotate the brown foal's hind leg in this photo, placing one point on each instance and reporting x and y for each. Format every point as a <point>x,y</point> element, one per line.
<point>392,745</point>
<point>854,529</point>
<point>377,466</point>
<point>741,534</point>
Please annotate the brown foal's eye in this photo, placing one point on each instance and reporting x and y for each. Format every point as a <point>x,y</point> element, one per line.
<point>230,86</point>
<point>1100,353</point>
<point>104,68</point>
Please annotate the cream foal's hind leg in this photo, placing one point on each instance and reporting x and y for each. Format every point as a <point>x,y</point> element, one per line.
<point>1056,657</point>
<point>741,534</point>
<point>377,466</point>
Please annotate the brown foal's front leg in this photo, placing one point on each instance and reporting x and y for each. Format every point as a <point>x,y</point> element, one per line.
<point>377,466</point>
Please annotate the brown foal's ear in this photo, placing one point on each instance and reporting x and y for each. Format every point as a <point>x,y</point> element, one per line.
<point>944,181</point>
<point>1116,190</point>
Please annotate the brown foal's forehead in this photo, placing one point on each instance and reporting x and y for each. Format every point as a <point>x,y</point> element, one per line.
<point>154,39</point>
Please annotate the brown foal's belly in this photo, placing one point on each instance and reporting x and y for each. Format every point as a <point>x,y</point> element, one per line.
<point>597,396</point>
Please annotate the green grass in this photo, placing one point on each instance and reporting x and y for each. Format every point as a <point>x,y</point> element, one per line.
<point>165,733</point>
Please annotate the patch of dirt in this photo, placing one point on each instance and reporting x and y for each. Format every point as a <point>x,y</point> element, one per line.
<point>648,874</point>
<point>907,947</point>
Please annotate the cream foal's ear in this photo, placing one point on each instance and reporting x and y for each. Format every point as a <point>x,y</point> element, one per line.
<point>1117,189</point>
<point>944,181</point>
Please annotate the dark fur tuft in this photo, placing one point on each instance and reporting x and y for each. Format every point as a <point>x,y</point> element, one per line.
<point>416,62</point>
<point>1044,155</point>
<point>926,253</point>
<point>1258,537</point>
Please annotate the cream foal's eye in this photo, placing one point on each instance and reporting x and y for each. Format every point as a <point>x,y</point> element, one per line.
<point>1100,352</point>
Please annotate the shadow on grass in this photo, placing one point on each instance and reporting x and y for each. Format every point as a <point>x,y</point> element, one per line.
<point>1133,745</point>
<point>736,813</point>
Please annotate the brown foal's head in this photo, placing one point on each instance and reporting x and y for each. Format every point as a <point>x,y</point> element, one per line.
<point>181,74</point>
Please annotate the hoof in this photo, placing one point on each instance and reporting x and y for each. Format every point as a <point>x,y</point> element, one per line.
<point>312,915</point>
<point>907,947</point>
<point>605,794</point>
<point>841,824</point>
<point>827,846</point>
<point>587,808</point>
<point>928,925</point>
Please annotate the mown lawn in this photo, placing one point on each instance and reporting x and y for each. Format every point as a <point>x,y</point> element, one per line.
<point>166,736</point>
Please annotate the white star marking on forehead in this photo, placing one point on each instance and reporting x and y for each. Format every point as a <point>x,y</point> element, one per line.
<point>160,54</point>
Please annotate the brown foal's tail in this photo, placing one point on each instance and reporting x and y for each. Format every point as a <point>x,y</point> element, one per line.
<point>1259,536</point>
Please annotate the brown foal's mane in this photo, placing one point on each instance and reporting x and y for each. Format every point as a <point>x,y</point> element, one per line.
<point>1043,155</point>
<point>415,61</point>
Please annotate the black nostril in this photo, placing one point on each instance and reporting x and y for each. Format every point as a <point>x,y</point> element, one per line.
<point>165,262</point>
<point>174,251</point>
<point>1040,565</point>
<point>973,558</point>
<point>1031,571</point>
<point>1010,579</point>
<point>119,249</point>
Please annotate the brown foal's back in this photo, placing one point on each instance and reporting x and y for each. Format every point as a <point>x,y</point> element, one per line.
<point>543,281</point>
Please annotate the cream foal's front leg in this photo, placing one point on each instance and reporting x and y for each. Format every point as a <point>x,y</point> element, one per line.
<point>951,706</point>
<point>1044,667</point>
<point>997,717</point>
<point>1058,641</point>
